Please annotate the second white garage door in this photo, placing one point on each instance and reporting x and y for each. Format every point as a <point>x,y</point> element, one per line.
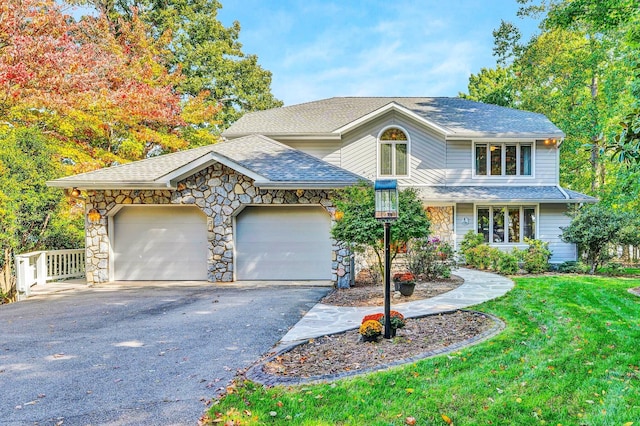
<point>283,243</point>
<point>160,243</point>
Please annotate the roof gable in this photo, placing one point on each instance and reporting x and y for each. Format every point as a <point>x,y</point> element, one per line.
<point>269,163</point>
<point>455,117</point>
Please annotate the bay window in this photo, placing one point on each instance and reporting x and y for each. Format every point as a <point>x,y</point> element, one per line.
<point>506,224</point>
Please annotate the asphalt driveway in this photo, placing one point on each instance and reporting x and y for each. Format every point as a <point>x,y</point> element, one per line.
<point>136,355</point>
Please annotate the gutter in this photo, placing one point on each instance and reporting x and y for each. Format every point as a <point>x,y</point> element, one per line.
<point>100,185</point>
<point>302,185</point>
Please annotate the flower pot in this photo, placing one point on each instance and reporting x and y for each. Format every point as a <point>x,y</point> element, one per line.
<point>373,338</point>
<point>406,288</point>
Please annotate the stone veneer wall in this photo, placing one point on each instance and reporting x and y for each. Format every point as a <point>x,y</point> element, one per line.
<point>219,192</point>
<point>441,222</point>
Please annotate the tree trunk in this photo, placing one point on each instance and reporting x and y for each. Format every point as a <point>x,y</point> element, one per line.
<point>7,279</point>
<point>625,253</point>
<point>597,171</point>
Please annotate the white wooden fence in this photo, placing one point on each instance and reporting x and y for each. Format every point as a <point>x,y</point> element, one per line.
<point>40,267</point>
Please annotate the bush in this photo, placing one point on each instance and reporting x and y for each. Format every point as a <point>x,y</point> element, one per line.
<point>508,264</point>
<point>573,267</point>
<point>612,269</point>
<point>592,230</point>
<point>430,258</point>
<point>483,257</point>
<point>470,241</point>
<point>536,257</point>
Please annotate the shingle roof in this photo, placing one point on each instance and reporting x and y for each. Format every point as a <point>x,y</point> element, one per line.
<point>474,194</point>
<point>268,162</point>
<point>279,163</point>
<point>457,117</point>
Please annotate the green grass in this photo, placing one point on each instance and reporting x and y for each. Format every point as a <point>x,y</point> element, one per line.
<point>570,355</point>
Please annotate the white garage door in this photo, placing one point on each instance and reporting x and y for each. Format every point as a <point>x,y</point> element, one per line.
<point>283,243</point>
<point>160,243</point>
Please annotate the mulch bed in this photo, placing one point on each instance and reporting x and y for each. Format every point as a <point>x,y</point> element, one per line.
<point>365,292</point>
<point>346,353</point>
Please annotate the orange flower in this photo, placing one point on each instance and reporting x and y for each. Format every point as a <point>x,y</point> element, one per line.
<point>372,317</point>
<point>405,276</point>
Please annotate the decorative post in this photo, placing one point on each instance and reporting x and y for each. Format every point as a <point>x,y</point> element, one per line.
<point>386,192</point>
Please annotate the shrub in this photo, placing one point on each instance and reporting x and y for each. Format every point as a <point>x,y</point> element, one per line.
<point>592,230</point>
<point>430,257</point>
<point>573,267</point>
<point>508,264</point>
<point>536,257</point>
<point>484,257</point>
<point>612,269</point>
<point>470,241</point>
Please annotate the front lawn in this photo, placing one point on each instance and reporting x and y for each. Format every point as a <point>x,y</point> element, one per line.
<point>570,355</point>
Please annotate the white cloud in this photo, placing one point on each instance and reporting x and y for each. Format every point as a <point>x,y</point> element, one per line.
<point>318,49</point>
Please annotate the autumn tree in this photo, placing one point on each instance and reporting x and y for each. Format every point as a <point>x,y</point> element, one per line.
<point>208,53</point>
<point>75,96</point>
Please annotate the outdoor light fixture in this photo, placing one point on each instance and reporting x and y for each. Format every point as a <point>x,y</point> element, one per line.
<point>75,192</point>
<point>386,212</point>
<point>93,215</point>
<point>386,200</point>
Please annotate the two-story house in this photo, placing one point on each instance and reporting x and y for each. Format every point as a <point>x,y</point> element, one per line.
<point>258,206</point>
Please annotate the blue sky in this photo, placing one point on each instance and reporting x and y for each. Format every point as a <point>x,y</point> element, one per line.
<point>318,48</point>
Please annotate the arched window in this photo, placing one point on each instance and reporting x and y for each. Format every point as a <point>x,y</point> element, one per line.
<point>393,153</point>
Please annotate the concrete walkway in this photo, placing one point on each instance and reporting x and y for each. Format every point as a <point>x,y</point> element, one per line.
<point>324,319</point>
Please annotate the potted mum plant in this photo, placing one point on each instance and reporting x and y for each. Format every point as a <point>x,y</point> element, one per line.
<point>397,321</point>
<point>370,330</point>
<point>405,283</point>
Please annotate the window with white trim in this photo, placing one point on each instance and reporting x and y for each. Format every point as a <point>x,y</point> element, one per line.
<point>506,224</point>
<point>393,153</point>
<point>503,159</point>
